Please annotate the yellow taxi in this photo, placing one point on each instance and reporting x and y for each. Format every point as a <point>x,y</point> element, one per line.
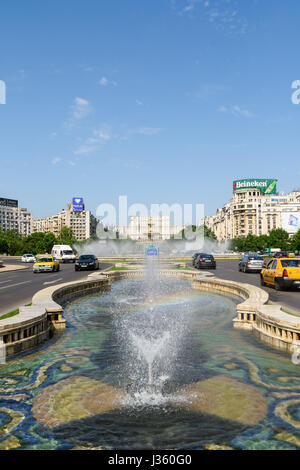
<point>281,273</point>
<point>46,264</point>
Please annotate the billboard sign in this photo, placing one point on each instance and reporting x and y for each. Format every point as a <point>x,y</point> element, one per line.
<point>152,250</point>
<point>78,205</point>
<point>8,202</point>
<point>291,222</point>
<point>266,186</point>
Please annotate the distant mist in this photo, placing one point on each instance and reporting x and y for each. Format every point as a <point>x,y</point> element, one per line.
<point>116,248</point>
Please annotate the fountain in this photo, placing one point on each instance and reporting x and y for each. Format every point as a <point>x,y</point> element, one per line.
<point>150,350</point>
<point>151,364</point>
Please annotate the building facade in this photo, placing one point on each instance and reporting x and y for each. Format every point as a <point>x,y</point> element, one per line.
<point>13,217</point>
<point>152,228</point>
<point>82,223</point>
<point>256,210</point>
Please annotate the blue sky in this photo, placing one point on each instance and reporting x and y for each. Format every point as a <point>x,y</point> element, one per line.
<point>164,101</point>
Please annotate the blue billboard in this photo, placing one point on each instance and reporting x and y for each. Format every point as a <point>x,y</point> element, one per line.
<point>152,250</point>
<point>78,205</point>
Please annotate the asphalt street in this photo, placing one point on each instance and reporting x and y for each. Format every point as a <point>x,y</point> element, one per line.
<point>18,287</point>
<point>229,270</point>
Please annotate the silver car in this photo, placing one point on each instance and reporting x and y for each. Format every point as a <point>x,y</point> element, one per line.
<point>251,263</point>
<point>28,258</point>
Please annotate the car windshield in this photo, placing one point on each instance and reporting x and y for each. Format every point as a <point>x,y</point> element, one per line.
<point>293,263</point>
<point>45,260</point>
<point>256,258</point>
<point>67,252</point>
<point>86,257</point>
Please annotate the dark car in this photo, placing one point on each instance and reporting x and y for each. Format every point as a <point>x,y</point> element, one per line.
<point>195,256</point>
<point>284,254</point>
<point>251,263</point>
<point>205,261</point>
<point>87,262</point>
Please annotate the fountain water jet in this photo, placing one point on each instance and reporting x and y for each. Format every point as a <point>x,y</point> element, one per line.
<point>150,350</point>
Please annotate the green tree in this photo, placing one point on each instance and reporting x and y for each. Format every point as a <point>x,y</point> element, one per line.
<point>49,241</point>
<point>262,242</point>
<point>3,243</point>
<point>66,236</point>
<point>279,238</point>
<point>34,243</point>
<point>239,244</point>
<point>209,234</point>
<point>295,243</point>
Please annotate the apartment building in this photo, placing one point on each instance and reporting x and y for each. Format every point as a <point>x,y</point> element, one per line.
<point>13,217</point>
<point>82,222</point>
<point>256,208</point>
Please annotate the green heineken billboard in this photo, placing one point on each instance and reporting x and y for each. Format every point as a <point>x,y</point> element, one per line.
<point>265,186</point>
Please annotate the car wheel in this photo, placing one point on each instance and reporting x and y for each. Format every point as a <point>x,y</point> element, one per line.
<point>244,269</point>
<point>262,282</point>
<point>277,286</point>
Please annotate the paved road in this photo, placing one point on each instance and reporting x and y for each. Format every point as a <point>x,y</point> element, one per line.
<point>229,270</point>
<point>18,287</point>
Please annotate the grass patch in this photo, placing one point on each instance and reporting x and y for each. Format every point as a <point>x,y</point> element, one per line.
<point>10,314</point>
<point>13,313</point>
<point>116,269</point>
<point>289,313</point>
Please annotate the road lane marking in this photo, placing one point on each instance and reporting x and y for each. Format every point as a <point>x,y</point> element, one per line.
<point>14,285</point>
<point>4,282</point>
<point>53,282</point>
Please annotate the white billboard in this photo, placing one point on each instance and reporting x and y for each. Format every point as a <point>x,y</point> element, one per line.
<point>291,221</point>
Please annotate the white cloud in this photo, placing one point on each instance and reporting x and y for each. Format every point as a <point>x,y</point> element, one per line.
<point>92,143</point>
<point>223,14</point>
<point>56,160</point>
<point>139,103</point>
<point>236,111</point>
<point>104,81</point>
<point>242,112</point>
<point>84,150</point>
<point>104,133</point>
<point>146,130</point>
<point>80,109</point>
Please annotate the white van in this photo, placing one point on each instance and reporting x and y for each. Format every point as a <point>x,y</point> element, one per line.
<point>63,253</point>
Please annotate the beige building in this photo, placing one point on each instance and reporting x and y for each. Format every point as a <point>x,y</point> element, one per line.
<point>252,211</point>
<point>154,228</point>
<point>83,224</point>
<point>13,217</point>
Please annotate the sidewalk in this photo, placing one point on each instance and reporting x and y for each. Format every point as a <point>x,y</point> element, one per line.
<point>12,267</point>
